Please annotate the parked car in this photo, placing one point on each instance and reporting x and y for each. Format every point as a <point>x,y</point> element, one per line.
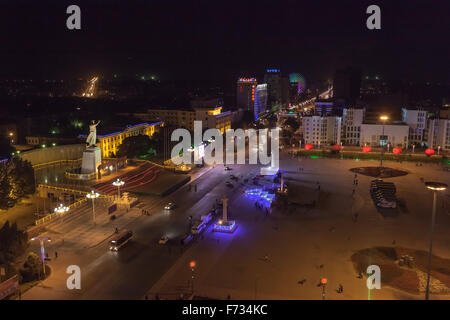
<point>229,184</point>
<point>226,168</point>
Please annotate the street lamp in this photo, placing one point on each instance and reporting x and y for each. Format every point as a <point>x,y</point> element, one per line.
<point>192,265</point>
<point>118,183</point>
<point>92,195</point>
<point>435,187</point>
<point>41,241</point>
<point>383,119</point>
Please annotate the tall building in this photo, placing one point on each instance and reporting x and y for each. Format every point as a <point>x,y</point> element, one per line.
<point>321,130</point>
<point>416,119</point>
<point>274,83</point>
<point>346,84</point>
<point>245,94</point>
<point>260,100</point>
<point>352,120</point>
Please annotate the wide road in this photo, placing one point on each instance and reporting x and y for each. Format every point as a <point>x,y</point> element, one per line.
<point>129,273</point>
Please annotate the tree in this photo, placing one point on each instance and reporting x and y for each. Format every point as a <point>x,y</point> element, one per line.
<point>6,201</point>
<point>6,149</point>
<point>12,242</point>
<point>16,181</point>
<point>135,146</point>
<point>32,268</point>
<point>292,123</point>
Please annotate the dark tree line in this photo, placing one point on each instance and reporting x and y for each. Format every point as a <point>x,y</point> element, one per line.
<point>16,181</point>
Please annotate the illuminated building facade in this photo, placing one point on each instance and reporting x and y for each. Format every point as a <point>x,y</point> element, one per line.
<point>246,89</point>
<point>321,130</point>
<point>260,100</point>
<point>109,143</point>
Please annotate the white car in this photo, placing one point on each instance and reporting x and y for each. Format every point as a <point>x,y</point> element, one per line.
<point>163,240</point>
<point>170,206</point>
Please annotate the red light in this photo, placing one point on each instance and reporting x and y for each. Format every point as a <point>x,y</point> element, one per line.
<point>192,264</point>
<point>397,150</point>
<point>429,152</point>
<point>323,281</point>
<point>336,147</point>
<point>309,146</point>
<point>366,149</point>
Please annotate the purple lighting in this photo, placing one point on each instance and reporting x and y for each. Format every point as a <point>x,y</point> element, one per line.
<point>228,226</point>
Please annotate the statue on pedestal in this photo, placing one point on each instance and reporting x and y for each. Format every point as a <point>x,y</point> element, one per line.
<point>92,137</point>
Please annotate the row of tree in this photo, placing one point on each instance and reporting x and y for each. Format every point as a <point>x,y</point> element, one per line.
<point>13,243</point>
<point>16,181</point>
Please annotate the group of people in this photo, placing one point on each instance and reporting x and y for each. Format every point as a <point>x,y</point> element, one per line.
<point>145,212</point>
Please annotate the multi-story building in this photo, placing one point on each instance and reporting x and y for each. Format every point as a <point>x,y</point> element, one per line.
<point>416,119</point>
<point>245,94</point>
<point>109,139</point>
<point>260,100</point>
<point>396,135</point>
<point>273,80</point>
<point>180,118</point>
<point>321,130</point>
<point>212,117</point>
<point>439,134</point>
<point>352,120</point>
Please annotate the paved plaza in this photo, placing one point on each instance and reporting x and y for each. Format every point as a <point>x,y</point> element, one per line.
<point>266,257</point>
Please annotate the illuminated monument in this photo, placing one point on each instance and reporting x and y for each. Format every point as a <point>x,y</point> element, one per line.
<point>92,156</point>
<point>225,225</point>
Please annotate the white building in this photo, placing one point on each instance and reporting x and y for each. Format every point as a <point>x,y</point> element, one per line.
<point>439,134</point>
<point>321,130</point>
<point>352,120</point>
<point>417,122</point>
<point>396,135</point>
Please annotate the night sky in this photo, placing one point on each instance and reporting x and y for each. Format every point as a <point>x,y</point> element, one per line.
<point>224,39</point>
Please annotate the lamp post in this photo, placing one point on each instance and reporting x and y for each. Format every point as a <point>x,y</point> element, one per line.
<point>435,187</point>
<point>192,265</point>
<point>323,283</point>
<point>92,195</point>
<point>41,241</point>
<point>118,183</point>
<point>61,209</point>
<point>384,119</point>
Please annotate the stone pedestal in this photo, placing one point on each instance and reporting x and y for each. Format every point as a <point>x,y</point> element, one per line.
<point>92,158</point>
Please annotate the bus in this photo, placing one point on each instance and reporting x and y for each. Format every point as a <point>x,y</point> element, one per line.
<point>120,239</point>
<point>198,227</point>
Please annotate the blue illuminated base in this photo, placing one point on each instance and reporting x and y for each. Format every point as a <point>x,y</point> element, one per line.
<point>227,227</point>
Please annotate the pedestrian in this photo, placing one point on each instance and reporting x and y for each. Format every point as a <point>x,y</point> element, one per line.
<point>341,288</point>
<point>353,192</point>
<point>116,230</point>
<point>56,254</point>
<point>318,187</point>
<point>356,181</point>
<point>228,297</point>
